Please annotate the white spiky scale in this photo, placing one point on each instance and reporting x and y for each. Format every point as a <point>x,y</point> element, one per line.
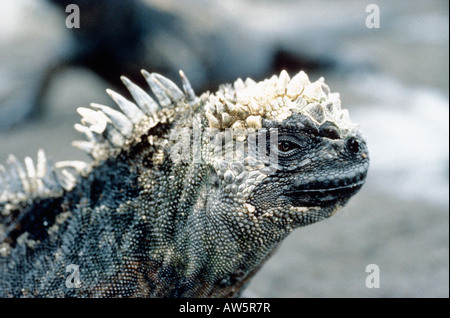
<point>96,120</point>
<point>67,180</point>
<point>85,146</point>
<point>282,82</point>
<point>219,108</point>
<point>18,173</point>
<point>44,169</point>
<point>249,81</point>
<point>118,119</point>
<point>315,112</point>
<point>5,180</point>
<point>239,84</point>
<point>230,108</point>
<point>157,88</point>
<point>315,92</point>
<point>2,187</point>
<point>295,86</point>
<point>190,94</point>
<point>115,138</point>
<point>41,164</point>
<point>49,179</point>
<point>90,135</point>
<point>142,99</point>
<point>30,168</point>
<point>36,181</point>
<point>303,77</point>
<point>253,122</point>
<point>29,180</point>
<point>226,119</point>
<point>80,166</point>
<point>213,121</point>
<point>129,108</point>
<point>169,87</point>
<point>2,173</point>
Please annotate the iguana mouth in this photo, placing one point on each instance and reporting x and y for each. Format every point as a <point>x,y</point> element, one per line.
<point>324,193</point>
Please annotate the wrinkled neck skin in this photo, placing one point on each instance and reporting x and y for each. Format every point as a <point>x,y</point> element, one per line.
<point>204,243</point>
<point>201,242</point>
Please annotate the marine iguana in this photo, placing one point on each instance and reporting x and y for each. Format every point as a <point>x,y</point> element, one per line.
<point>186,196</point>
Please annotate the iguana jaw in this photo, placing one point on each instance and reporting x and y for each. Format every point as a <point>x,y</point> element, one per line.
<point>322,194</point>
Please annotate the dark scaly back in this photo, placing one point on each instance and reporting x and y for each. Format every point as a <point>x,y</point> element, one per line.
<point>72,212</point>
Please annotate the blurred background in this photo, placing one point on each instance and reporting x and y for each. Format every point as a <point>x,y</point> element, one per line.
<point>393,79</point>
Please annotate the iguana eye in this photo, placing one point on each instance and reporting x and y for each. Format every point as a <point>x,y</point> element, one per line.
<point>285,145</point>
<point>290,146</point>
<point>353,145</point>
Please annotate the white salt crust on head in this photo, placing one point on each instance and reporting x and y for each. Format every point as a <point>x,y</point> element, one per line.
<point>244,104</point>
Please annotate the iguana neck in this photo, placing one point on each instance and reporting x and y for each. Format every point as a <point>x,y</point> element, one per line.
<point>193,243</point>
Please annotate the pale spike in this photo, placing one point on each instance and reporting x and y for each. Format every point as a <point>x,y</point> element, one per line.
<point>118,119</point>
<point>295,86</point>
<point>18,173</point>
<point>2,182</point>
<point>249,82</point>
<point>87,132</point>
<point>210,107</point>
<point>35,183</point>
<point>96,120</point>
<point>304,79</point>
<point>41,164</point>
<point>80,166</point>
<point>46,173</point>
<point>129,108</point>
<point>115,137</point>
<point>4,178</point>
<point>227,120</point>
<point>239,84</point>
<point>30,171</point>
<point>189,92</point>
<point>282,82</point>
<point>230,107</point>
<point>86,146</point>
<point>170,88</point>
<point>3,173</point>
<point>30,168</point>
<point>11,184</point>
<point>41,169</point>
<point>316,112</point>
<point>213,121</point>
<point>157,88</point>
<point>144,101</point>
<point>67,180</point>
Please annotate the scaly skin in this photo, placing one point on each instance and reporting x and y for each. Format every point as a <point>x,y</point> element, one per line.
<point>184,198</point>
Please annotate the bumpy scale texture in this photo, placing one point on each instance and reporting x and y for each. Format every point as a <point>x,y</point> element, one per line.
<point>186,196</point>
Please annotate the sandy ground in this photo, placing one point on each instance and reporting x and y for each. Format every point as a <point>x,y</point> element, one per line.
<point>399,220</point>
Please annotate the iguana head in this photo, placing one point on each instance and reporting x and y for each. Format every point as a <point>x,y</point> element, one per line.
<point>296,156</point>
